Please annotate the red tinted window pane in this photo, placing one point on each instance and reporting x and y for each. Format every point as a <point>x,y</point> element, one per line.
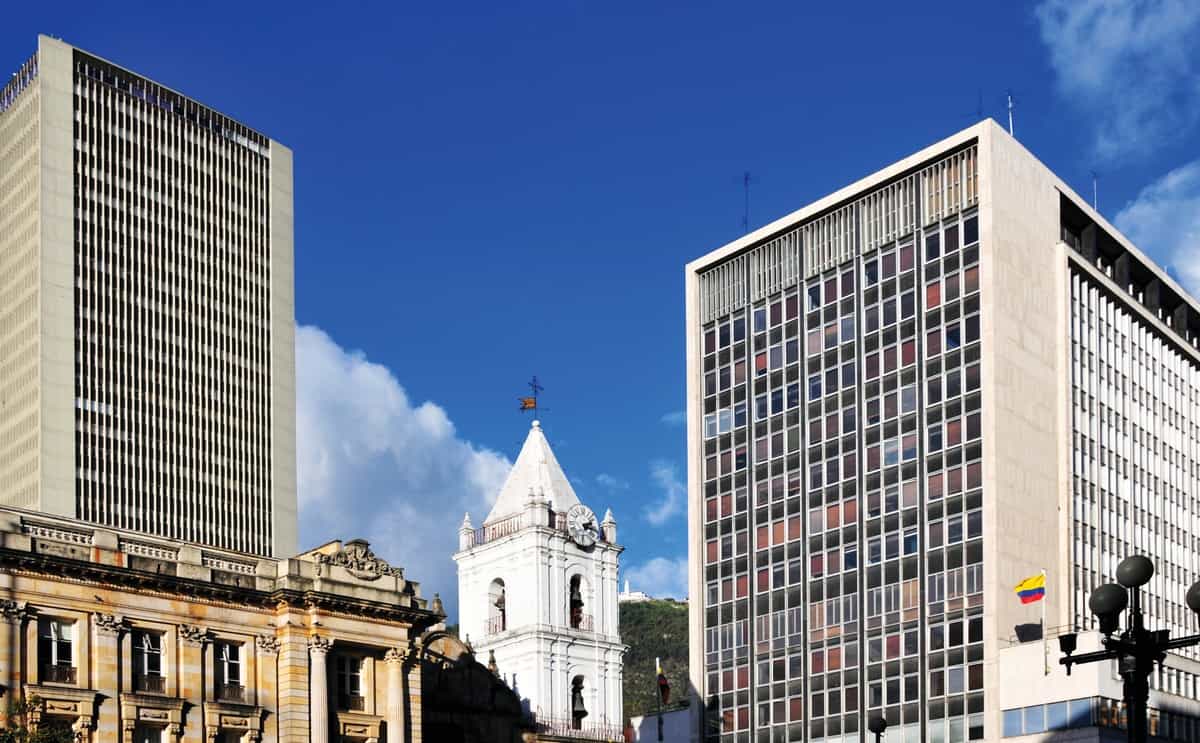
<point>764,579</point>
<point>830,290</point>
<point>834,659</point>
<point>935,486</point>
<point>710,341</point>
<point>743,586</point>
<point>832,513</point>
<point>777,532</point>
<point>711,551</point>
<point>954,480</point>
<point>850,511</point>
<point>906,257</point>
<point>971,280</point>
<point>908,353</point>
<point>792,306</point>
<point>743,677</point>
<point>974,475</point>
<point>933,342</point>
<point>710,509</point>
<point>794,527</point>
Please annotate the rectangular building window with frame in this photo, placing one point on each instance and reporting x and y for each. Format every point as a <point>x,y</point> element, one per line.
<point>56,641</point>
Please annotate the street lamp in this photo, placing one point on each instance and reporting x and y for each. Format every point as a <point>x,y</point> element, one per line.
<point>1137,649</point>
<point>877,725</point>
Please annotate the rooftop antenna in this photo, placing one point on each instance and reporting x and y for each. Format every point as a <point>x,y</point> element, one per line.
<point>1011,133</point>
<point>1095,190</point>
<point>747,180</point>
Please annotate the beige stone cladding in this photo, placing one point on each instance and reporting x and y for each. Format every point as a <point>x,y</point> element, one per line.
<point>147,360</point>
<point>124,636</point>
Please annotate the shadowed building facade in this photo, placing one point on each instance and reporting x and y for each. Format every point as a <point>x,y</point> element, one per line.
<point>147,373</point>
<point>903,399</point>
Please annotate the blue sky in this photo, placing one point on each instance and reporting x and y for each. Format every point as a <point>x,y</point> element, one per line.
<point>487,192</point>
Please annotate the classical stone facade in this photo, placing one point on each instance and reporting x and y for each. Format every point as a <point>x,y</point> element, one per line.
<point>125,637</point>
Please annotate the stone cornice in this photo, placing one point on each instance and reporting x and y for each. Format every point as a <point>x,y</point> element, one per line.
<point>98,574</point>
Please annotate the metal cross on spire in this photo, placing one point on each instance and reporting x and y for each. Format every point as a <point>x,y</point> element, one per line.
<point>530,402</point>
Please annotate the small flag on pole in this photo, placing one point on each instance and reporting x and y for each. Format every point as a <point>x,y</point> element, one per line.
<point>664,686</point>
<point>1031,589</point>
<point>528,403</point>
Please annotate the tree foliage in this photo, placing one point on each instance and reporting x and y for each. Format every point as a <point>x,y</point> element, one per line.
<point>48,730</point>
<point>654,629</point>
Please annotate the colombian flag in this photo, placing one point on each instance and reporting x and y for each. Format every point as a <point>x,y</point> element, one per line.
<point>1032,589</point>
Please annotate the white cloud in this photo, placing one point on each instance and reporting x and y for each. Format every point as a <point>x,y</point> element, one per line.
<point>372,464</point>
<point>666,476</point>
<point>674,418</point>
<point>1130,65</point>
<point>610,482</point>
<point>660,577</point>
<point>1165,219</point>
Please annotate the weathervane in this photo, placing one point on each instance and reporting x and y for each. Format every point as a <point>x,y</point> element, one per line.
<point>531,402</point>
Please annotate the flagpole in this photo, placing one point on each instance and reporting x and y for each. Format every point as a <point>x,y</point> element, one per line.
<point>1045,641</point>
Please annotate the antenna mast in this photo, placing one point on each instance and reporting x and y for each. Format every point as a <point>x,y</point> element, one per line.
<point>1095,190</point>
<point>1010,115</point>
<point>746,181</point>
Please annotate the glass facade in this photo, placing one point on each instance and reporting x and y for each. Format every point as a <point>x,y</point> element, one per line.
<point>841,473</point>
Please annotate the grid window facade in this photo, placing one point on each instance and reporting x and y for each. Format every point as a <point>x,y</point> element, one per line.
<point>172,314</point>
<point>842,479</point>
<point>1135,460</point>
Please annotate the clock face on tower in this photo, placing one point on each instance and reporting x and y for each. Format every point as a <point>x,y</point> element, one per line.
<point>581,525</point>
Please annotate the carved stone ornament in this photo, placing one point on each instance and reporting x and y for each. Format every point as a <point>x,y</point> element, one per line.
<point>268,644</point>
<point>193,634</point>
<point>358,560</point>
<point>319,644</point>
<point>108,624</point>
<point>396,655</point>
<point>14,611</point>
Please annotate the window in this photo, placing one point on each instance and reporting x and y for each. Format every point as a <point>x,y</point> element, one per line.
<point>349,682</point>
<point>229,670</point>
<point>870,273</point>
<point>55,650</point>
<point>147,662</point>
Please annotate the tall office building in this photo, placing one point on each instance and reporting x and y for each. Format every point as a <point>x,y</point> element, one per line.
<point>905,398</point>
<point>147,367</point>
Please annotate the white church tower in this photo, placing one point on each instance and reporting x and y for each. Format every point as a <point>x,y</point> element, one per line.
<point>537,589</point>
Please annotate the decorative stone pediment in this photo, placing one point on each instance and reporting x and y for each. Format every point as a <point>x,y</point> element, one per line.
<point>151,709</point>
<point>243,719</point>
<point>358,560</point>
<point>64,702</point>
<point>357,726</point>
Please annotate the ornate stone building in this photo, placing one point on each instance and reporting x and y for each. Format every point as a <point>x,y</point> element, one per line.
<point>135,639</point>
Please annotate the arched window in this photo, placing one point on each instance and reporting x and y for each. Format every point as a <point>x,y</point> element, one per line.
<point>578,708</point>
<point>497,613</point>
<point>575,604</point>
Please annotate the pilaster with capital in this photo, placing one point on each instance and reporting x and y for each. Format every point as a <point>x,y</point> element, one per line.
<point>193,640</point>
<point>318,650</point>
<point>266,649</point>
<point>12,618</point>
<point>396,717</point>
<point>106,669</point>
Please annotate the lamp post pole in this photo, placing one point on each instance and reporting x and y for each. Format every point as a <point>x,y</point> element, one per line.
<point>1136,649</point>
<point>877,725</point>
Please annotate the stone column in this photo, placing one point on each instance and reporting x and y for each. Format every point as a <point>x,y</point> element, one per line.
<point>397,723</point>
<point>12,617</point>
<point>106,669</point>
<point>192,640</point>
<point>318,649</point>
<point>267,648</point>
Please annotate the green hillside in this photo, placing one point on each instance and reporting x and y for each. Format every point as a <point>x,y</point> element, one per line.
<point>654,628</point>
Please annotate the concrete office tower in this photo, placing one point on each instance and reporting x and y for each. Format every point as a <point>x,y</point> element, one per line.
<point>147,372</point>
<point>905,398</point>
